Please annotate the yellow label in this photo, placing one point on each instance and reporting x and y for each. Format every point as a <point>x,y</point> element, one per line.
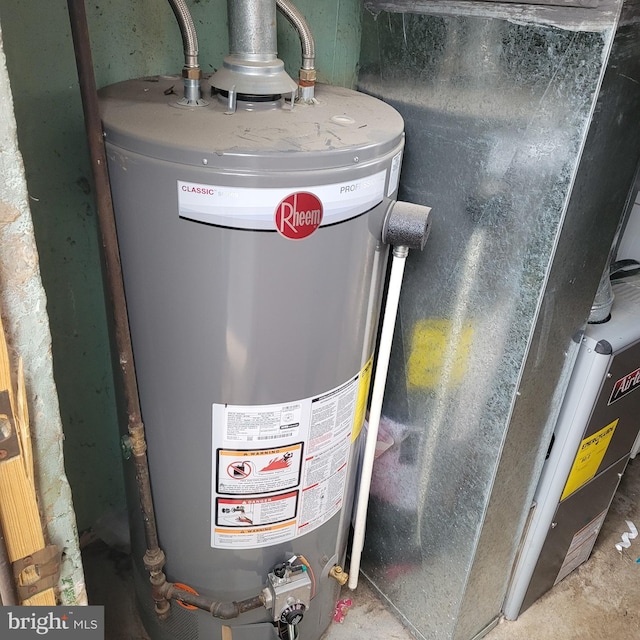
<point>363,396</point>
<point>439,353</point>
<point>588,459</point>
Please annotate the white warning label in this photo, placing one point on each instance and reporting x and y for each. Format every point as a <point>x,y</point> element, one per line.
<point>252,538</point>
<point>256,511</point>
<point>271,422</point>
<point>581,547</point>
<point>280,471</point>
<point>324,486</point>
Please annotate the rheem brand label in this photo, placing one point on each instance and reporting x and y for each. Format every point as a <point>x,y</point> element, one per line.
<point>625,385</point>
<point>298,215</point>
<point>294,211</point>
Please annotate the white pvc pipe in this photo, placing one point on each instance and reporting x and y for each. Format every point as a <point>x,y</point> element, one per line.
<point>382,366</point>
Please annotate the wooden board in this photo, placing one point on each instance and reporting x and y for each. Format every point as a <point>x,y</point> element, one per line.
<point>19,514</point>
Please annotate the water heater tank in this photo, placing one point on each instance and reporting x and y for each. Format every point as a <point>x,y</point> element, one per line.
<point>253,267</point>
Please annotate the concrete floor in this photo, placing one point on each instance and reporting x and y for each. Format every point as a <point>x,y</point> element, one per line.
<point>598,601</point>
<point>601,599</point>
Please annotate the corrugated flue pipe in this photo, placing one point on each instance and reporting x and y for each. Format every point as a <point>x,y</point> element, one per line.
<point>307,75</point>
<point>191,71</point>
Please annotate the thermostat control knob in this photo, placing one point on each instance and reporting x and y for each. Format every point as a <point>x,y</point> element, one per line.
<point>293,615</point>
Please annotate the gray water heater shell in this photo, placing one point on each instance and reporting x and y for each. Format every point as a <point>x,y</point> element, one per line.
<point>232,320</point>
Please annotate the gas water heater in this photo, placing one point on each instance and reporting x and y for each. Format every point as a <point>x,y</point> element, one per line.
<point>250,229</point>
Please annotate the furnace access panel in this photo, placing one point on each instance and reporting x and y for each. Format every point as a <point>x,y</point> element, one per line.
<point>596,430</point>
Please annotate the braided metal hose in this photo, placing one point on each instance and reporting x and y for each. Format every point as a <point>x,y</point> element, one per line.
<point>299,23</point>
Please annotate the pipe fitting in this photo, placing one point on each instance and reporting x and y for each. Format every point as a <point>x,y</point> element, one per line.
<point>192,73</point>
<point>339,574</point>
<point>137,440</point>
<point>154,560</point>
<point>225,610</point>
<point>307,75</point>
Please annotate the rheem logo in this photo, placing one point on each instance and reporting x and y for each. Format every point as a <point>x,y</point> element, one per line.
<point>298,215</point>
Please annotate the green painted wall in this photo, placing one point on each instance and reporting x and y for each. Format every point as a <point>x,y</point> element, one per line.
<point>129,39</point>
<point>336,27</point>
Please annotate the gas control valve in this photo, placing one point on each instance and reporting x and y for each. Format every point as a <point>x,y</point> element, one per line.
<point>288,594</point>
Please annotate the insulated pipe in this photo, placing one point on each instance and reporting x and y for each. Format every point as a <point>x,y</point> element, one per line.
<point>154,557</point>
<point>191,71</point>
<point>406,225</point>
<point>384,352</point>
<point>307,75</point>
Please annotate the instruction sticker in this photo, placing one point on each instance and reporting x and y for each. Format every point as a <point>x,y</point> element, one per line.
<point>247,472</point>
<point>323,490</point>
<point>590,455</point>
<point>270,422</point>
<point>280,471</point>
<point>581,547</point>
<point>254,537</point>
